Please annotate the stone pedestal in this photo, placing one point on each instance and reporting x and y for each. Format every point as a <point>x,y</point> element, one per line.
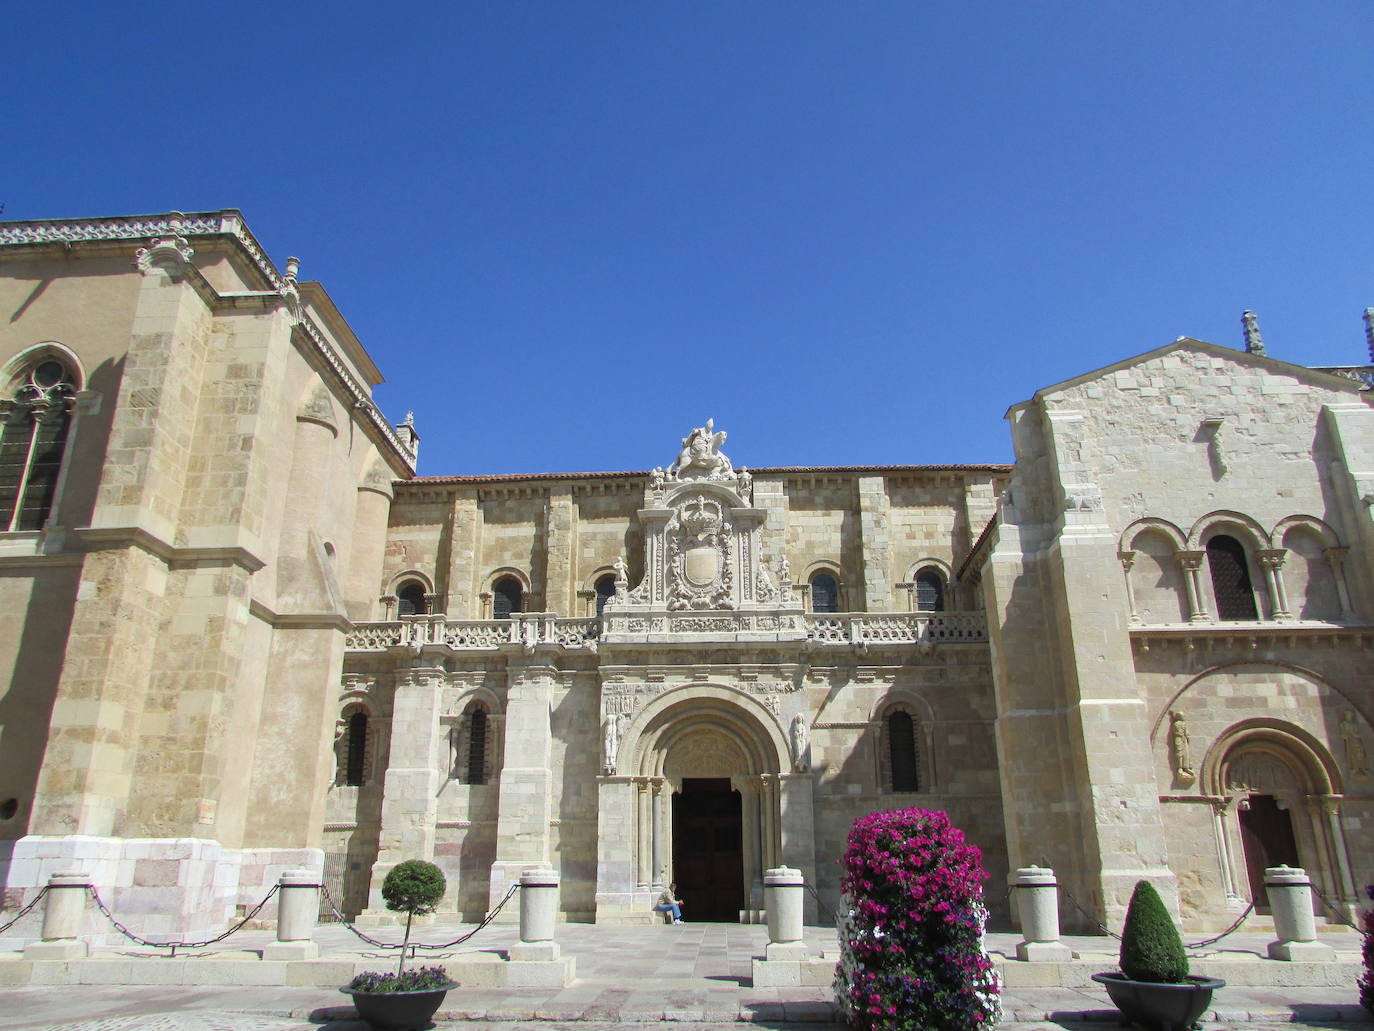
<point>1290,899</point>
<point>1037,900</point>
<point>536,960</point>
<point>62,910</point>
<point>298,907</point>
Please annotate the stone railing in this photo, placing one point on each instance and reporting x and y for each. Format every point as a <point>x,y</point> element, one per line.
<point>523,628</point>
<point>896,627</point>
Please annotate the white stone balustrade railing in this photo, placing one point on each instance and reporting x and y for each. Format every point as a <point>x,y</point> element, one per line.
<point>850,628</point>
<point>535,628</point>
<point>525,628</point>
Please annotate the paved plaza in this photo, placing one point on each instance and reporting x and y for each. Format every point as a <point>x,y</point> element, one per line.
<point>694,975</point>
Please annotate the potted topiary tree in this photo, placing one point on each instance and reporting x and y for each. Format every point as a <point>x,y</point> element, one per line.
<point>405,1000</point>
<point>1154,987</point>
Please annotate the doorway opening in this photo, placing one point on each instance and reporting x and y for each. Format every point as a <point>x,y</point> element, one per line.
<point>1266,834</point>
<point>708,849</point>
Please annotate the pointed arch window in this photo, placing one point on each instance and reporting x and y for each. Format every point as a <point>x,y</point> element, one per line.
<point>825,593</point>
<point>605,591</point>
<point>34,422</point>
<point>930,591</point>
<point>1230,578</point>
<point>507,596</point>
<point>410,600</point>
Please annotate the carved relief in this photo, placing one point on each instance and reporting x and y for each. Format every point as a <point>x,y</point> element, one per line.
<point>1257,773</point>
<point>700,572</point>
<point>1356,758</point>
<point>1180,749</point>
<point>701,457</point>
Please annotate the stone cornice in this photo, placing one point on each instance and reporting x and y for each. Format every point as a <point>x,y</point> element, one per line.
<point>300,620</point>
<point>224,224</point>
<point>110,538</point>
<point>1255,635</point>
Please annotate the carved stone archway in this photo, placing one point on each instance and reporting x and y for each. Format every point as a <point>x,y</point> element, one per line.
<point>707,732</point>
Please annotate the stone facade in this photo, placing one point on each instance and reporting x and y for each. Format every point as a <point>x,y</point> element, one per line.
<point>244,636</point>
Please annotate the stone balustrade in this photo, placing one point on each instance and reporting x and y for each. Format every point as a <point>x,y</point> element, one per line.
<point>541,628</point>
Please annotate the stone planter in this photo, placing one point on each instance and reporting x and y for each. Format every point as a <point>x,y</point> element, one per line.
<point>399,1011</point>
<point>1163,1007</point>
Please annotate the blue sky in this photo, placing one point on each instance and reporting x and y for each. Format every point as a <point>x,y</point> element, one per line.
<point>852,233</point>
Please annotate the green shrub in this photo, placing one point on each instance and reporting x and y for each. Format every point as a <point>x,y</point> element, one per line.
<point>1151,949</point>
<point>413,887</point>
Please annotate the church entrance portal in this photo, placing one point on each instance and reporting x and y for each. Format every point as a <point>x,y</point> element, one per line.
<point>1266,834</point>
<point>708,849</point>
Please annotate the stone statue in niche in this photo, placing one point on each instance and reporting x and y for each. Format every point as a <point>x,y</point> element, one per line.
<point>701,457</point>
<point>1356,758</point>
<point>801,744</point>
<point>745,482</point>
<point>1180,748</point>
<point>622,571</point>
<point>613,728</point>
<point>340,752</point>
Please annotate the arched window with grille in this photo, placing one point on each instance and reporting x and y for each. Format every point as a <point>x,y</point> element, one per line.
<point>1231,585</point>
<point>825,593</point>
<point>410,600</point>
<point>34,420</point>
<point>930,591</point>
<point>477,745</point>
<point>904,755</point>
<point>355,760</point>
<point>507,596</point>
<point>605,591</point>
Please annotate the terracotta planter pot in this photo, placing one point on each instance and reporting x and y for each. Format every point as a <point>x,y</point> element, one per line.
<point>1164,1007</point>
<point>399,1011</point>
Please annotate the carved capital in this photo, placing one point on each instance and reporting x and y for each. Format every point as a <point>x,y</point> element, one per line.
<point>1336,556</point>
<point>1190,560</point>
<point>1272,558</point>
<point>1127,559</point>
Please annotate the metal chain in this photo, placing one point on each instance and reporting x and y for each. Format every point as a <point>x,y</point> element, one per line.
<point>25,911</point>
<point>1091,919</point>
<point>105,910</point>
<point>1340,917</point>
<point>412,946</point>
<point>1230,930</point>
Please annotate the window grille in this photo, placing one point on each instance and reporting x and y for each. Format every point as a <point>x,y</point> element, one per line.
<point>410,600</point>
<point>506,597</point>
<point>930,591</point>
<point>901,736</point>
<point>1230,579</point>
<point>825,593</point>
<point>477,746</point>
<point>357,750</point>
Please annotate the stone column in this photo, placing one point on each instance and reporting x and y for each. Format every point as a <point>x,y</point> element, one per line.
<point>1037,901</point>
<point>62,910</point>
<point>656,804</point>
<point>298,908</point>
<point>1271,560</point>
<point>1127,561</point>
<point>1335,558</point>
<point>749,826</point>
<point>522,824</point>
<point>538,913</point>
<point>1295,930</point>
<point>644,833</point>
<point>409,799</point>
<point>1191,561</point>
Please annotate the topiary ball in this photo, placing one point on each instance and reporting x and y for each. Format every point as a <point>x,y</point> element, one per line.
<point>1151,949</point>
<point>413,887</point>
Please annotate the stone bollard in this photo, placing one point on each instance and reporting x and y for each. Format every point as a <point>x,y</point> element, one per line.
<point>1037,900</point>
<point>298,910</point>
<point>538,913</point>
<point>1290,901</point>
<point>63,908</point>
<point>783,899</point>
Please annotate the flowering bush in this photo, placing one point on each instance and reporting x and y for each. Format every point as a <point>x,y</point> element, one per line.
<point>1367,982</point>
<point>426,979</point>
<point>911,950</point>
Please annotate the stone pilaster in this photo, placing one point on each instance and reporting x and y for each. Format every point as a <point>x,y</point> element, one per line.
<point>462,580</point>
<point>409,800</point>
<point>877,544</point>
<point>560,550</point>
<point>525,805</point>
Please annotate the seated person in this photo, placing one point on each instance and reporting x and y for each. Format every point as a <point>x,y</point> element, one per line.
<point>669,903</point>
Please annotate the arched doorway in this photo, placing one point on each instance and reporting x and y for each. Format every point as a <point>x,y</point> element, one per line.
<point>704,765</point>
<point>1281,809</point>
